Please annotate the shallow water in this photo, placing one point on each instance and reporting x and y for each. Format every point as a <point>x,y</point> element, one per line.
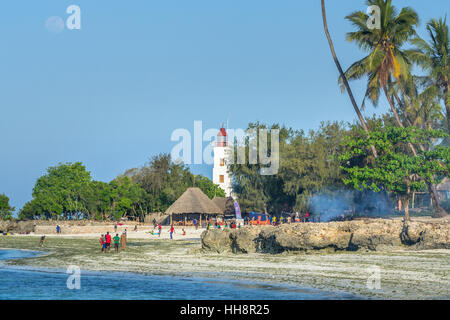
<point>50,284</point>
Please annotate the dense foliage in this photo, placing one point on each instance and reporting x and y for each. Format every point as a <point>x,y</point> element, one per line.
<point>67,191</point>
<point>5,209</point>
<point>395,169</point>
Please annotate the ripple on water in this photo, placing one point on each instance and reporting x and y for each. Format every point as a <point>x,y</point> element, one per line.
<point>25,283</point>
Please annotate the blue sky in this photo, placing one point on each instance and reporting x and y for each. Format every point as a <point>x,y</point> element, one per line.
<point>111,94</point>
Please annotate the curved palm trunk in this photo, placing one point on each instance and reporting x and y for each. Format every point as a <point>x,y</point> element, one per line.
<point>447,105</point>
<point>439,212</point>
<point>347,86</point>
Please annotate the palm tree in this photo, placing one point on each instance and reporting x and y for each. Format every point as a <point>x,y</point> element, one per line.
<point>420,109</point>
<point>434,57</point>
<point>386,63</point>
<point>343,77</point>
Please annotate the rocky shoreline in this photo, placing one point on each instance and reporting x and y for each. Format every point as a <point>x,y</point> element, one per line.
<point>368,234</point>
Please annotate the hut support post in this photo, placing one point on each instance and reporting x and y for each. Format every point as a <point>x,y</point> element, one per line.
<point>200,220</point>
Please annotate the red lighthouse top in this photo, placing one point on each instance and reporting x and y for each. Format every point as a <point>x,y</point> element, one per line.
<point>222,140</point>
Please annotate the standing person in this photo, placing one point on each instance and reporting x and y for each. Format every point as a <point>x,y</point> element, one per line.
<point>115,227</point>
<point>116,242</point>
<point>123,241</point>
<point>135,228</point>
<point>172,230</point>
<point>195,223</point>
<point>154,223</point>
<point>41,242</point>
<point>159,230</point>
<point>102,242</point>
<point>58,229</point>
<point>108,241</point>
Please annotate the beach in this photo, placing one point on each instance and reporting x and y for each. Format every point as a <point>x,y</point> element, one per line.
<point>404,274</point>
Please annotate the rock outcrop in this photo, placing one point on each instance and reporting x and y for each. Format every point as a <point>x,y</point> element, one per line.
<point>369,234</point>
<point>21,227</point>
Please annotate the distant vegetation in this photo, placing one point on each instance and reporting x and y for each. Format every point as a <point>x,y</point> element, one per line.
<point>5,209</point>
<point>391,51</point>
<point>67,191</point>
<point>394,155</point>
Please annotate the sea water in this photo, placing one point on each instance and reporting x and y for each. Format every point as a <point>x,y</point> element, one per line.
<point>50,284</point>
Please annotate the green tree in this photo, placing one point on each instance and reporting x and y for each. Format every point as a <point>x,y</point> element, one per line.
<point>208,187</point>
<point>57,194</point>
<point>343,75</point>
<point>434,57</point>
<point>395,169</point>
<point>165,181</point>
<point>386,61</point>
<point>6,210</point>
<point>127,198</point>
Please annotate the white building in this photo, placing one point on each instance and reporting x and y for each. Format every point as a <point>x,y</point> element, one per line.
<point>222,152</point>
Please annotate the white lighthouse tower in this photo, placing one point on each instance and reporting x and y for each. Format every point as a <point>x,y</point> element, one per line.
<point>222,152</point>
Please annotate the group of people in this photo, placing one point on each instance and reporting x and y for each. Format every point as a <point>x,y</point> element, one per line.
<point>217,225</point>
<point>159,227</point>
<point>106,241</point>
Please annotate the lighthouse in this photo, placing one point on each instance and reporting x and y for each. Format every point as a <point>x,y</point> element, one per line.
<point>222,153</point>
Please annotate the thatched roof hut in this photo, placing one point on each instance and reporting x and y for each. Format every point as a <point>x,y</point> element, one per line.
<point>193,203</point>
<point>225,204</point>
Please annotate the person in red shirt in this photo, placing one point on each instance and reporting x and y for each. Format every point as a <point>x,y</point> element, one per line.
<point>172,230</point>
<point>159,230</point>
<point>108,241</point>
<point>102,243</point>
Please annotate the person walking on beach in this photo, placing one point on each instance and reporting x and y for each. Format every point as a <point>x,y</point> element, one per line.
<point>172,230</point>
<point>115,227</point>
<point>102,242</point>
<point>58,229</point>
<point>123,241</point>
<point>116,242</point>
<point>108,241</point>
<point>195,224</point>
<point>159,230</point>
<point>41,242</point>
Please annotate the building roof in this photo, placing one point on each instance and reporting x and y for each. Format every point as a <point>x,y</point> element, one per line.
<point>193,200</point>
<point>225,204</point>
<point>444,185</point>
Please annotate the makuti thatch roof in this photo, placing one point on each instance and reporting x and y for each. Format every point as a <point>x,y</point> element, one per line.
<point>225,204</point>
<point>193,200</point>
